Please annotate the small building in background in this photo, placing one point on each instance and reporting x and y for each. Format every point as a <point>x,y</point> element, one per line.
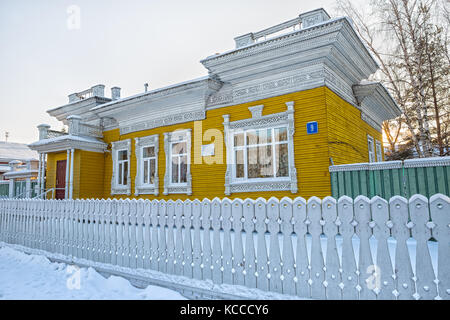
<point>18,170</point>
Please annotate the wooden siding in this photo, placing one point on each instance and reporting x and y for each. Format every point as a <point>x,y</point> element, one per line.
<point>342,136</point>
<point>311,151</point>
<point>91,175</point>
<point>347,132</point>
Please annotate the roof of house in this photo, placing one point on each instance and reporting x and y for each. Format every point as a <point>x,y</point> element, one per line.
<point>16,151</point>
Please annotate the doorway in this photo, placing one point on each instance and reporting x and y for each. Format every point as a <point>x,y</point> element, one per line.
<point>60,179</point>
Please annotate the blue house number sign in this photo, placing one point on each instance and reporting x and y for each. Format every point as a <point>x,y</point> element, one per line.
<point>312,127</point>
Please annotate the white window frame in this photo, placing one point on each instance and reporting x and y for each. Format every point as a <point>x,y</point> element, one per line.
<point>371,151</point>
<point>379,151</point>
<point>245,149</point>
<point>169,139</point>
<point>117,146</point>
<point>140,186</point>
<point>258,121</point>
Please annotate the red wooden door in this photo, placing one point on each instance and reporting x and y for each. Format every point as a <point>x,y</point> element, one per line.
<point>60,179</point>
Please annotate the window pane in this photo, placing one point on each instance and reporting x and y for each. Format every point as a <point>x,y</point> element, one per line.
<point>175,169</point>
<point>239,139</point>
<point>265,161</point>
<point>264,136</point>
<point>239,163</point>
<point>280,134</point>
<point>125,173</point>
<point>282,160</point>
<point>183,169</point>
<point>260,162</point>
<point>122,155</point>
<point>252,137</point>
<point>146,180</point>
<point>148,152</point>
<point>179,148</point>
<point>120,174</point>
<point>152,171</point>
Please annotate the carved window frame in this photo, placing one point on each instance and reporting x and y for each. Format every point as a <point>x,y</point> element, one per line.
<point>378,151</point>
<point>140,186</point>
<point>258,121</point>
<point>371,151</point>
<point>169,138</point>
<point>116,147</point>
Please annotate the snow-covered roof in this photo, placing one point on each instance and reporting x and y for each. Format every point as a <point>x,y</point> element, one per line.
<point>149,92</point>
<point>16,151</point>
<point>67,141</point>
<point>5,168</point>
<point>65,137</point>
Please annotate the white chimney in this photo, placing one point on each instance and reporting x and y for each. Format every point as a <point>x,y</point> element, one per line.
<point>115,93</point>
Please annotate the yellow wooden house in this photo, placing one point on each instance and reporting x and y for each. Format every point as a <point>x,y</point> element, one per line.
<point>268,120</point>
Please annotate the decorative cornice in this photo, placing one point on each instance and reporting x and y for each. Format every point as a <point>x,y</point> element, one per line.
<point>164,121</point>
<point>370,121</point>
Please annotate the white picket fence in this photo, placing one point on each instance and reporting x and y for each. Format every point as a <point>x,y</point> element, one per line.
<point>320,249</point>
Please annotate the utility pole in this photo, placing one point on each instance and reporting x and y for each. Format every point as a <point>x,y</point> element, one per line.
<point>6,136</point>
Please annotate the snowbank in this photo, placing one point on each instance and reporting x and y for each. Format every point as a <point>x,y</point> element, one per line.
<point>24,276</point>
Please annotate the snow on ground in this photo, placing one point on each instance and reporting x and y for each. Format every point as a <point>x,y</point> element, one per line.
<point>30,277</point>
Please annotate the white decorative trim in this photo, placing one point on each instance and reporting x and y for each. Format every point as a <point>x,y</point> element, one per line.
<point>370,121</point>
<point>140,187</point>
<point>117,146</point>
<point>256,111</point>
<point>398,164</point>
<point>169,188</point>
<point>371,152</point>
<point>427,162</point>
<point>367,166</point>
<point>259,121</point>
<point>164,121</point>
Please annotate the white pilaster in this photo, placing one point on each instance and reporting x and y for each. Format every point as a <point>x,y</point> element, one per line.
<point>11,188</point>
<point>39,174</point>
<point>66,188</point>
<point>71,174</point>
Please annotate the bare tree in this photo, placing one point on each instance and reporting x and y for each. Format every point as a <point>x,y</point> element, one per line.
<point>409,39</point>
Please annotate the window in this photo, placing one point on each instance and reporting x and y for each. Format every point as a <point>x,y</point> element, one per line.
<point>379,152</point>
<point>177,147</point>
<point>178,167</point>
<point>121,182</point>
<point>147,165</point>
<point>149,159</point>
<point>122,171</point>
<point>371,147</point>
<point>260,152</point>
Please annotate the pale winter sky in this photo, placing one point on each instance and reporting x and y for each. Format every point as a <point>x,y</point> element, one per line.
<point>118,43</point>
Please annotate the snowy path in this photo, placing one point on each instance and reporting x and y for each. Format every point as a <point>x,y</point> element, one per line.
<point>24,276</point>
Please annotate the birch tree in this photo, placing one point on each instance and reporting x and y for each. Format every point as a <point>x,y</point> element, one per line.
<point>409,40</point>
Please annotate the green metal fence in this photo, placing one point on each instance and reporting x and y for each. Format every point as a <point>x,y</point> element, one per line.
<point>426,176</point>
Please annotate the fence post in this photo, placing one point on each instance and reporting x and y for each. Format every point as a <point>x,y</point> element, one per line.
<point>440,215</point>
